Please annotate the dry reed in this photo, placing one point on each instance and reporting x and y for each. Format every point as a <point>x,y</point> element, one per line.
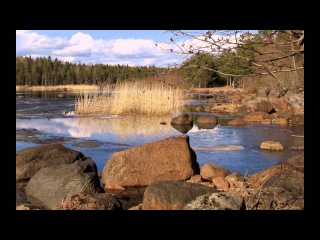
<point>133,98</point>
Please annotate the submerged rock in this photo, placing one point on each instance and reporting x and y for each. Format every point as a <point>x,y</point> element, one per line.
<point>271,145</point>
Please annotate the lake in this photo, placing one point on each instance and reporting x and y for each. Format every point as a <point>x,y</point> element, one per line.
<point>43,118</point>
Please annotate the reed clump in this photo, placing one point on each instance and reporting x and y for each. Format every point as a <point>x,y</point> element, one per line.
<point>137,97</point>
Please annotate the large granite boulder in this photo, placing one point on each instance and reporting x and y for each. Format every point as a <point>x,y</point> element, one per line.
<point>30,160</point>
<point>51,186</point>
<point>172,195</point>
<point>209,171</point>
<point>168,159</point>
<point>278,187</point>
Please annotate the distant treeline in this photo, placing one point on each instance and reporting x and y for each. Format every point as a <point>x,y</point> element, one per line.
<point>42,71</point>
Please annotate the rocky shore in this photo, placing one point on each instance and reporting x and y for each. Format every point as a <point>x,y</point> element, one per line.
<point>165,175</point>
<point>162,175</point>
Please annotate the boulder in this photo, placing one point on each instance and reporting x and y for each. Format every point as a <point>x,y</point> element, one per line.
<point>51,186</point>
<point>172,195</point>
<point>210,171</point>
<point>237,121</point>
<point>260,104</point>
<point>266,121</point>
<point>207,119</point>
<point>263,92</point>
<point>195,179</point>
<point>242,111</point>
<point>255,117</point>
<point>85,201</point>
<point>182,128</point>
<point>281,121</point>
<point>217,201</point>
<point>182,119</point>
<point>271,145</point>
<point>294,165</point>
<point>168,159</point>
<point>279,104</point>
<point>278,187</point>
<point>30,160</point>
<point>234,179</point>
<point>220,183</point>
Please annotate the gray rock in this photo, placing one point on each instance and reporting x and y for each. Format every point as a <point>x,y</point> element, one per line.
<point>217,201</point>
<point>30,160</point>
<point>51,186</point>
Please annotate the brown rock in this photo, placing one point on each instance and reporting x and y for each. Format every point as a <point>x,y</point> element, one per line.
<point>260,104</point>
<point>255,117</point>
<point>172,195</point>
<point>278,187</point>
<point>281,121</point>
<point>85,201</point>
<point>237,121</point>
<point>209,171</point>
<point>279,104</point>
<point>266,121</point>
<point>234,179</point>
<point>271,145</point>
<point>221,183</point>
<point>30,160</point>
<point>114,186</point>
<point>168,159</point>
<point>207,119</point>
<point>183,119</point>
<point>294,165</point>
<point>195,179</point>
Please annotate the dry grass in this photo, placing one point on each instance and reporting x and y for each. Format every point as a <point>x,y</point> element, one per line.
<point>58,87</point>
<point>137,97</point>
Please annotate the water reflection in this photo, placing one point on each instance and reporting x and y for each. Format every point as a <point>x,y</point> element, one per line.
<point>183,128</point>
<point>110,128</point>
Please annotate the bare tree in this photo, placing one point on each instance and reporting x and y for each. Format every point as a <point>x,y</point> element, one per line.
<point>271,52</point>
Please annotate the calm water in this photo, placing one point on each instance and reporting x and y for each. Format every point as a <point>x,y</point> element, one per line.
<point>42,117</point>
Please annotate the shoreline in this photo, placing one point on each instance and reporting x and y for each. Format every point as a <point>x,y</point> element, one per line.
<point>56,88</point>
<point>95,87</point>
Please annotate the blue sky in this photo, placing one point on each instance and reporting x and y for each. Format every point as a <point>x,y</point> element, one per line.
<point>132,47</point>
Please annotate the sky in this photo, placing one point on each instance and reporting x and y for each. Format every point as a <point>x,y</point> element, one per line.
<point>132,47</point>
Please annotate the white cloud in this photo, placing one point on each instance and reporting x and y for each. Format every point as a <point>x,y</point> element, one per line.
<point>19,32</point>
<point>84,48</point>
